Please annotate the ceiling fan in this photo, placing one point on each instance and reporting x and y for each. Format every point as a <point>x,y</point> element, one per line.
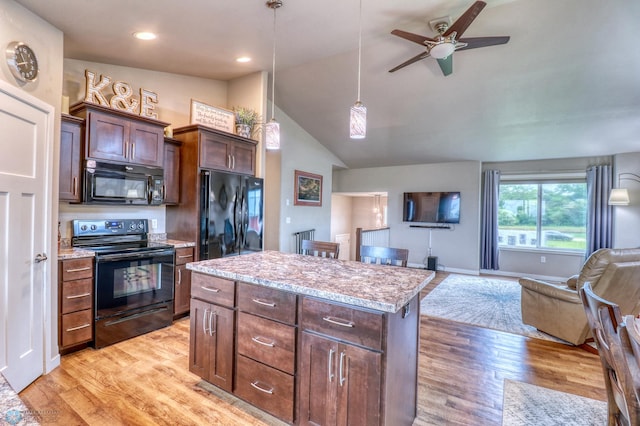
<point>446,42</point>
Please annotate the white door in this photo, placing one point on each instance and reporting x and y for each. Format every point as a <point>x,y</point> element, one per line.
<point>345,246</point>
<point>25,141</point>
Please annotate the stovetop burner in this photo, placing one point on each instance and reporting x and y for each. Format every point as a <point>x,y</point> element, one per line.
<point>113,235</point>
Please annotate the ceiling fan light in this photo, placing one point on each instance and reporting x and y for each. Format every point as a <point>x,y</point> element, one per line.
<point>358,121</point>
<point>272,130</point>
<point>442,50</point>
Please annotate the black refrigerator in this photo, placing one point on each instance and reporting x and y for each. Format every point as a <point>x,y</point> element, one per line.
<point>231,220</point>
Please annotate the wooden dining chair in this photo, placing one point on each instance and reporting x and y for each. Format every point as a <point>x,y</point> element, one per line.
<point>612,339</point>
<point>384,255</point>
<point>320,248</point>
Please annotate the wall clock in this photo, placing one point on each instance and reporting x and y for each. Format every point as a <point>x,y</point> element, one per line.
<point>22,61</point>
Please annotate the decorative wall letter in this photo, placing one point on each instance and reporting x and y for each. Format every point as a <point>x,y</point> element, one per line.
<point>120,100</point>
<point>93,90</point>
<point>148,101</point>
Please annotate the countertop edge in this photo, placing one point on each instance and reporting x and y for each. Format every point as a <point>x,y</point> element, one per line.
<point>308,291</point>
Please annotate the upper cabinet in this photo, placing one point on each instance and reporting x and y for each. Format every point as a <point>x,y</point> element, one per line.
<point>70,158</point>
<point>172,171</point>
<point>219,150</point>
<point>121,137</point>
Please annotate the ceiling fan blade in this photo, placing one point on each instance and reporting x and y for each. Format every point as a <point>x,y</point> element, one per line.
<point>446,65</point>
<point>463,22</point>
<point>412,37</point>
<point>411,61</point>
<point>475,42</point>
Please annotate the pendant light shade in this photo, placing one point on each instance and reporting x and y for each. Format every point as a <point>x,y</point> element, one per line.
<point>619,197</point>
<point>358,116</point>
<point>272,128</point>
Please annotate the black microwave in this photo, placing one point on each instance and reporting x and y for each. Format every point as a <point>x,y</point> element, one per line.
<point>108,183</point>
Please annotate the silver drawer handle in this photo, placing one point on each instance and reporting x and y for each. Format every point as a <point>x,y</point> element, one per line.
<point>258,339</point>
<point>79,296</point>
<point>79,327</point>
<point>264,303</point>
<point>88,268</point>
<point>185,256</point>
<point>261,389</point>
<point>212,290</point>
<point>338,321</point>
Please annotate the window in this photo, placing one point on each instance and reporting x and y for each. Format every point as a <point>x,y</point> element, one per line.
<point>543,215</point>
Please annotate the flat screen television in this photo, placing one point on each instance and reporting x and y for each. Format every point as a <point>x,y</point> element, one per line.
<point>431,207</point>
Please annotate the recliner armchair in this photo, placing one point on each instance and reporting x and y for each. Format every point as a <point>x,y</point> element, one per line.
<point>557,309</point>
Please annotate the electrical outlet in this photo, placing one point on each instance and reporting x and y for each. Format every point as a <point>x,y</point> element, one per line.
<point>543,259</point>
<point>154,223</point>
<point>287,220</point>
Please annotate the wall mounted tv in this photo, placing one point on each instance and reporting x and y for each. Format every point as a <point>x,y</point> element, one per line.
<point>431,207</point>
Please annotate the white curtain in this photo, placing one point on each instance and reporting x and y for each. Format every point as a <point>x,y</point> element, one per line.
<point>489,228</point>
<point>599,212</point>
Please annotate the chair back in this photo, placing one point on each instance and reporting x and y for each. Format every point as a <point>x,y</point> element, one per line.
<point>320,248</point>
<point>384,255</point>
<point>604,319</point>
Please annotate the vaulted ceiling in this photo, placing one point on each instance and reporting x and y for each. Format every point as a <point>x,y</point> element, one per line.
<point>566,85</point>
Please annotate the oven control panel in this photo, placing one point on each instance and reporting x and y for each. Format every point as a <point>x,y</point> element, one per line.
<point>98,227</point>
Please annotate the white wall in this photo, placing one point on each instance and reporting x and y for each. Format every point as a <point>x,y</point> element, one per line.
<point>457,249</point>
<point>19,24</point>
<point>341,218</point>
<point>300,151</point>
<point>627,218</point>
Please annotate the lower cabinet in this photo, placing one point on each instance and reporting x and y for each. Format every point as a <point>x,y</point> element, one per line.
<point>339,383</point>
<point>182,281</point>
<point>211,345</point>
<point>75,289</point>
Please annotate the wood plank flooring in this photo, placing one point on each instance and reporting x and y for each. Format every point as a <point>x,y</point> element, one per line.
<point>146,381</point>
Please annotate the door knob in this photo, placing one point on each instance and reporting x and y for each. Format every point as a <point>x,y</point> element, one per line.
<point>41,257</point>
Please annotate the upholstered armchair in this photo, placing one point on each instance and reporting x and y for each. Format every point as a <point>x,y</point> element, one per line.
<point>556,309</point>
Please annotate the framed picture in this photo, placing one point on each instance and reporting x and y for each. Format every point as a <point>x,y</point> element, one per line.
<point>207,115</point>
<point>308,189</point>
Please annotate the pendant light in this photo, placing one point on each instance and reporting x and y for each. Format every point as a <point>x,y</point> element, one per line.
<point>272,128</point>
<point>358,116</point>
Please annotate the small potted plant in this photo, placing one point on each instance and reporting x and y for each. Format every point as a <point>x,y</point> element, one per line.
<point>246,119</point>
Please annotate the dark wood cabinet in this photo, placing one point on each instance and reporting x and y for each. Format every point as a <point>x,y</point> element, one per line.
<point>211,345</point>
<point>75,307</point>
<point>71,130</point>
<point>182,281</point>
<point>333,377</point>
<point>171,171</point>
<point>220,152</point>
<point>117,136</point>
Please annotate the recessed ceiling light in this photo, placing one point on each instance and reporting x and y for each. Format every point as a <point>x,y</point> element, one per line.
<point>144,35</point>
<point>243,59</point>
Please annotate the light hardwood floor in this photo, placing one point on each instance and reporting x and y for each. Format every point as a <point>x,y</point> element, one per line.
<point>146,381</point>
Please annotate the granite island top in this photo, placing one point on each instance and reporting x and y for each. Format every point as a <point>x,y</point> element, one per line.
<point>379,287</point>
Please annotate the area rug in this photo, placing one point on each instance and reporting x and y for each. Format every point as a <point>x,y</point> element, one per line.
<point>481,301</point>
<point>528,405</point>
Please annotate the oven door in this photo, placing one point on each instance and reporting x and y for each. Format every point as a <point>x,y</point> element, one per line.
<point>126,281</point>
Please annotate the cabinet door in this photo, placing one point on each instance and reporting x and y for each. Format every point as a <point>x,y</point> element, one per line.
<point>108,137</point>
<point>146,144</point>
<point>70,157</point>
<point>215,152</point>
<point>182,291</point>
<point>211,346</point>
<point>358,369</point>
<point>243,158</point>
<point>171,173</point>
<point>318,380</point>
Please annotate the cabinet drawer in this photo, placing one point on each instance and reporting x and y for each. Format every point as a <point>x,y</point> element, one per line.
<point>267,341</point>
<point>213,289</point>
<point>265,387</point>
<point>184,255</point>
<point>76,295</point>
<point>76,328</point>
<point>76,269</point>
<point>344,323</point>
<point>267,302</point>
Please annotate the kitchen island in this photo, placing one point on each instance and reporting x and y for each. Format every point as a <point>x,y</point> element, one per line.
<point>309,340</point>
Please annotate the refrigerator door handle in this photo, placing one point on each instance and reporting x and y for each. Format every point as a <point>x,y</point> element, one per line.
<point>204,206</point>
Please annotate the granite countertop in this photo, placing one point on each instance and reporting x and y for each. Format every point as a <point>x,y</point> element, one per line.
<point>66,252</point>
<point>380,287</point>
<point>177,243</point>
